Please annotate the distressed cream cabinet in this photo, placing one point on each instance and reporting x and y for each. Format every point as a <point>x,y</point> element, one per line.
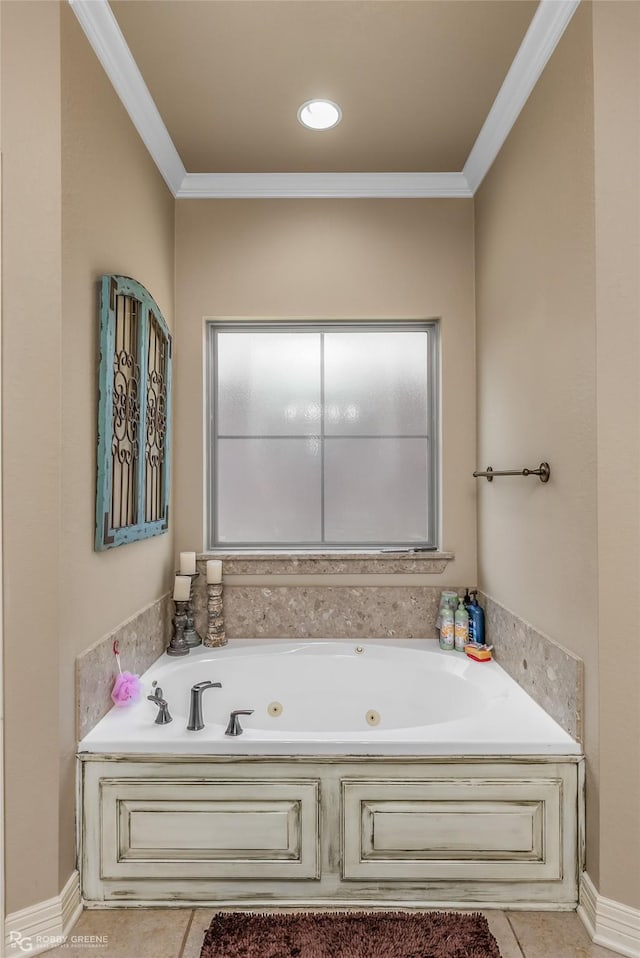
<point>342,830</point>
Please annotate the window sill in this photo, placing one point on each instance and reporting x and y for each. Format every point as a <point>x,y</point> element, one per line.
<point>331,563</point>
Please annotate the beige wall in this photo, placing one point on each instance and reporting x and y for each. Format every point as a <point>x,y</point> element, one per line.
<point>536,355</point>
<point>118,217</point>
<point>616,46</point>
<point>558,297</point>
<point>104,208</point>
<point>330,258</point>
<point>31,291</point>
<point>59,595</point>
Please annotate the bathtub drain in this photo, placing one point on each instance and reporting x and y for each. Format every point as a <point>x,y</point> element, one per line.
<point>274,709</point>
<point>372,717</point>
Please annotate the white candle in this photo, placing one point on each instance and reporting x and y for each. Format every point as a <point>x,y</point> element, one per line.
<point>187,563</point>
<point>214,571</point>
<point>181,588</point>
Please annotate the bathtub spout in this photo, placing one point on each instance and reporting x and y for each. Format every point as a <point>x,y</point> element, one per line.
<point>195,710</point>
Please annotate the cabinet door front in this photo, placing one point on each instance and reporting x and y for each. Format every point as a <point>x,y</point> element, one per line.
<point>465,829</point>
<point>246,830</point>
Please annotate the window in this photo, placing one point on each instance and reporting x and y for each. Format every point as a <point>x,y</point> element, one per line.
<point>322,435</point>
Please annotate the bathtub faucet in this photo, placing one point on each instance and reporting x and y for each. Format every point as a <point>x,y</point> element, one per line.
<point>234,727</point>
<point>195,711</point>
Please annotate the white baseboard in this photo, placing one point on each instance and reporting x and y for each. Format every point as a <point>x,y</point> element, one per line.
<point>45,925</point>
<point>71,902</point>
<point>609,923</point>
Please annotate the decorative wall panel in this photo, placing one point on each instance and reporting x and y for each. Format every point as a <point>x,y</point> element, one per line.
<point>132,500</point>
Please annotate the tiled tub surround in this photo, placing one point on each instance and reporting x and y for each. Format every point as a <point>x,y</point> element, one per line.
<point>141,639</point>
<point>328,693</point>
<point>545,670</point>
<point>331,563</point>
<point>549,673</point>
<point>325,611</point>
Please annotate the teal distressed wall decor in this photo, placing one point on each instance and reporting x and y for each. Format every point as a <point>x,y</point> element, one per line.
<point>134,415</point>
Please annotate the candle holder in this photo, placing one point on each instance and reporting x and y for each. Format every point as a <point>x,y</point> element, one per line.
<point>215,636</point>
<point>192,638</point>
<point>178,644</point>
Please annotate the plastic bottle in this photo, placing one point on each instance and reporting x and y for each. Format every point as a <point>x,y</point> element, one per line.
<point>446,629</point>
<point>467,605</point>
<point>476,619</point>
<point>461,627</point>
<point>448,600</point>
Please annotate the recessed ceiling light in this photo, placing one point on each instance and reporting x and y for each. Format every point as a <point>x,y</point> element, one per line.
<point>319,114</point>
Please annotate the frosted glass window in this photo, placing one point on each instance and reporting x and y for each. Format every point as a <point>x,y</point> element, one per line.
<point>269,384</point>
<point>322,435</point>
<point>269,490</point>
<point>376,490</point>
<point>375,383</point>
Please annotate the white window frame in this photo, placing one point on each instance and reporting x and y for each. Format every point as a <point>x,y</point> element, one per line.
<point>430,326</point>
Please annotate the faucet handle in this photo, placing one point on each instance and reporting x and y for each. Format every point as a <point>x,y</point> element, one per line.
<point>163,717</point>
<point>234,727</point>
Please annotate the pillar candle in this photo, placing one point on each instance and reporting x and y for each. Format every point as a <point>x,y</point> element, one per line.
<point>214,571</point>
<point>181,588</point>
<point>187,563</point>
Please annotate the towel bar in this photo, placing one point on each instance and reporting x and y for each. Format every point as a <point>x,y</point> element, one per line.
<point>543,471</point>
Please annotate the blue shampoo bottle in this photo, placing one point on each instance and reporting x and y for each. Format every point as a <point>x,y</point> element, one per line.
<point>476,619</point>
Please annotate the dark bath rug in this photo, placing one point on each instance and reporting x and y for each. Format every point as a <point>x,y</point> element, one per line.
<point>349,935</point>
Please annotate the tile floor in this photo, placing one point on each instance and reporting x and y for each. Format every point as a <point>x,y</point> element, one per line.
<point>178,933</point>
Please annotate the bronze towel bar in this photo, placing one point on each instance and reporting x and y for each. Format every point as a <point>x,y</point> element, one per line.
<point>543,471</point>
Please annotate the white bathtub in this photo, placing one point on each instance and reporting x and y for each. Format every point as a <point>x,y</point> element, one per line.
<point>429,702</point>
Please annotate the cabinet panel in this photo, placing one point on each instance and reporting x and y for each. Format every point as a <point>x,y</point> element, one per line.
<point>462,829</point>
<point>210,830</point>
<point>200,830</point>
<point>453,829</point>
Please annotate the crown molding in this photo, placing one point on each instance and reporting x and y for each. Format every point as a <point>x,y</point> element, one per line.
<point>103,33</point>
<point>101,28</point>
<point>545,30</point>
<point>322,185</point>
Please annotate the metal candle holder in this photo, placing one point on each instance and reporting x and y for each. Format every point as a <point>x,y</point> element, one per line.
<point>215,636</point>
<point>192,638</point>
<point>178,644</point>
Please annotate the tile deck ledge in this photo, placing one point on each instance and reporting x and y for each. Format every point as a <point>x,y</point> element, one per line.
<point>355,562</point>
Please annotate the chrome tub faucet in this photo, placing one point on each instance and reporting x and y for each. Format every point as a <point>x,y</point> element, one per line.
<point>195,710</point>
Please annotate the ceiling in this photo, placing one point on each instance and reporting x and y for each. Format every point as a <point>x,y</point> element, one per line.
<point>214,87</point>
<point>415,78</point>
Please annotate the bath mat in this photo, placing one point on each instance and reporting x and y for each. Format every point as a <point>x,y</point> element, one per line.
<point>349,935</point>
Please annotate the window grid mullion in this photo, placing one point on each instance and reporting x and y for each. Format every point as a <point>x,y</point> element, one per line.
<point>214,458</point>
<point>322,476</point>
<point>321,435</point>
